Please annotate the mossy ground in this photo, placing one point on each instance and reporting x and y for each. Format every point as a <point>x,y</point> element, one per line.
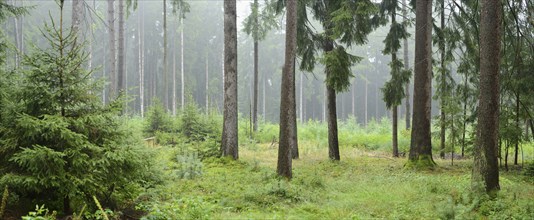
<point>364,184</point>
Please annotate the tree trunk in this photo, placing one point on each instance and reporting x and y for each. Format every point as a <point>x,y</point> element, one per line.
<point>207,84</point>
<point>465,116</point>
<point>406,67</point>
<point>287,101</point>
<point>182,64</point>
<point>293,115</point>
<point>366,120</point>
<point>516,153</point>
<point>395,131</point>
<point>174,68</point>
<point>121,66</point>
<point>255,101</point>
<point>301,104</point>
<point>229,135</point>
<point>165,67</point>
<point>442,101</point>
<point>485,167</point>
<point>140,38</point>
<point>77,11</point>
<point>333,143</point>
<point>112,49</point>
<point>421,142</point>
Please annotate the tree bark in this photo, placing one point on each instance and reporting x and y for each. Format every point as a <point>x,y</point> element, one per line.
<point>112,49</point>
<point>421,143</point>
<point>207,84</point>
<point>255,101</point>
<point>485,167</point>
<point>182,78</point>
<point>516,152</point>
<point>173,102</point>
<point>406,67</point>
<point>366,119</point>
<point>287,101</point>
<point>140,41</point>
<point>121,66</point>
<point>394,132</point>
<point>76,13</point>
<point>165,63</point>
<point>293,115</point>
<point>229,136</point>
<point>442,101</point>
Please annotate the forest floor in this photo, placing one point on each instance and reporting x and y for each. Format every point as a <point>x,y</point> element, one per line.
<point>362,185</point>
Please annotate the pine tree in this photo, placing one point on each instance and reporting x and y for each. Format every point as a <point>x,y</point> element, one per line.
<point>59,145</point>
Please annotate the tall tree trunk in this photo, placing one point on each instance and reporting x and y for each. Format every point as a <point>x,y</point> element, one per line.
<point>174,68</point>
<point>485,167</point>
<point>165,63</point>
<point>421,141</point>
<point>366,119</point>
<point>465,116</point>
<point>76,13</point>
<point>121,66</point>
<point>112,49</point>
<point>353,100</point>
<point>406,67</point>
<point>182,64</point>
<point>442,101</point>
<point>301,107</point>
<point>255,101</point>
<point>324,104</point>
<point>333,143</point>
<point>207,84</point>
<point>394,132</point>
<point>140,41</point>
<point>264,90</point>
<point>293,115</point>
<point>516,153</point>
<point>229,136</point>
<point>287,100</point>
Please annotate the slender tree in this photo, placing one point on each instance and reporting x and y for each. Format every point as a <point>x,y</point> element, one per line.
<point>141,43</point>
<point>485,167</point>
<point>112,49</point>
<point>421,141</point>
<point>121,51</point>
<point>393,90</point>
<point>229,143</point>
<point>406,67</point>
<point>287,101</point>
<point>344,22</point>
<point>257,24</point>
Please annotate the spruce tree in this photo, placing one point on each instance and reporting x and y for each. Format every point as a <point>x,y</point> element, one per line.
<point>58,144</point>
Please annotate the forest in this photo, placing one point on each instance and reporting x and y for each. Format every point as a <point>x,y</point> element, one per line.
<point>266,109</point>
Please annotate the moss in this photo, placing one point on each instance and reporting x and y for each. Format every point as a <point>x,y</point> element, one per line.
<point>422,162</point>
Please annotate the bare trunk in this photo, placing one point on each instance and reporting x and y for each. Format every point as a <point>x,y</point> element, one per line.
<point>121,66</point>
<point>76,13</point>
<point>207,84</point>
<point>301,107</point>
<point>293,115</point>
<point>421,142</point>
<point>485,167</point>
<point>287,100</point>
<point>442,101</point>
<point>465,116</point>
<point>394,132</point>
<point>229,135</point>
<point>182,64</point>
<point>333,143</point>
<point>174,70</point>
<point>406,67</point>
<point>140,38</point>
<point>255,101</point>
<point>366,119</point>
<point>165,64</point>
<point>516,152</point>
<point>112,49</point>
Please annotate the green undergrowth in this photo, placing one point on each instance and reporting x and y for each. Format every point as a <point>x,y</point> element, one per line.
<point>364,184</point>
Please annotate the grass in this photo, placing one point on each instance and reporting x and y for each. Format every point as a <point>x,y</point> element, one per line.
<point>364,184</point>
